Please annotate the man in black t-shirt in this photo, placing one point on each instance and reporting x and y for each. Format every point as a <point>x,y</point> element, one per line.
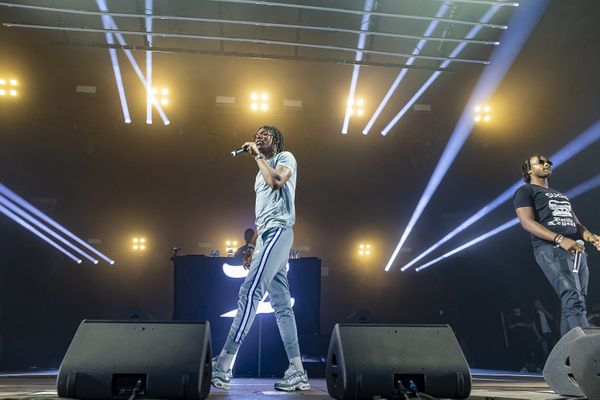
<point>248,236</point>
<point>548,216</point>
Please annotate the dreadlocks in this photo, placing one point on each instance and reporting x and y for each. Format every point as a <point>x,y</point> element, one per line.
<point>527,166</point>
<point>277,137</point>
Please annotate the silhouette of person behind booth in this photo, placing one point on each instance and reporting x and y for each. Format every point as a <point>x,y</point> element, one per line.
<point>248,234</point>
<point>522,335</point>
<point>544,321</point>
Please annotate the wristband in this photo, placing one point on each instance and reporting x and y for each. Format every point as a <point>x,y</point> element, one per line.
<point>259,157</point>
<point>558,238</point>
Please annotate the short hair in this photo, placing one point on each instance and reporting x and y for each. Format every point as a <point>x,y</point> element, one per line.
<point>527,166</point>
<point>248,234</point>
<point>277,137</point>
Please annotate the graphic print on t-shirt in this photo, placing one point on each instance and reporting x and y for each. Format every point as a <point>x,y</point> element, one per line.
<point>561,210</point>
<point>551,208</point>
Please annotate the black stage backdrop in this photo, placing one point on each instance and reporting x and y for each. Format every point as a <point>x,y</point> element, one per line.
<point>207,287</point>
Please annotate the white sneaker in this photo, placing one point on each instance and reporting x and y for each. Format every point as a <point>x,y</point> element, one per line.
<point>220,379</point>
<point>293,380</point>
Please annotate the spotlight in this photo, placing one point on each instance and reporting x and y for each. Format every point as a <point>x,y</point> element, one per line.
<point>21,215</point>
<point>364,249</point>
<point>231,245</point>
<point>138,244</point>
<point>259,102</point>
<point>572,193</point>
<point>500,61</point>
<point>428,32</point>
<point>362,39</point>
<point>482,113</point>
<point>2,92</point>
<point>2,81</point>
<point>356,107</point>
<point>9,194</point>
<point>162,95</point>
<point>13,92</point>
<point>23,223</point>
<point>580,143</point>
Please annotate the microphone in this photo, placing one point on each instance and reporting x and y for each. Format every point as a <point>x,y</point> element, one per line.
<point>239,151</point>
<point>577,260</point>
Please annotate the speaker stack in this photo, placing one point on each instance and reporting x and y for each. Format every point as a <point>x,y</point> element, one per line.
<point>365,360</point>
<point>573,366</point>
<point>127,359</point>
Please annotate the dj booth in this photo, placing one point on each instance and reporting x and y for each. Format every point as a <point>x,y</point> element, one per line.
<point>206,289</point>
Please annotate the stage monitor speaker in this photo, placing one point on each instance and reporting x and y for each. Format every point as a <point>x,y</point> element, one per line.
<point>585,363</point>
<point>114,359</point>
<point>558,371</point>
<point>386,360</point>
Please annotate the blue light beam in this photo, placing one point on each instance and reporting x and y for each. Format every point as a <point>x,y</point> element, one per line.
<point>149,8</point>
<point>501,59</point>
<point>112,25</point>
<point>572,193</point>
<point>117,71</point>
<point>15,198</point>
<point>362,38</point>
<point>428,32</point>
<point>589,136</point>
<point>27,226</point>
<point>18,211</point>
<point>457,50</point>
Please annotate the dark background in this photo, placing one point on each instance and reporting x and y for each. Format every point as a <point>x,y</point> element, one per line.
<point>71,155</point>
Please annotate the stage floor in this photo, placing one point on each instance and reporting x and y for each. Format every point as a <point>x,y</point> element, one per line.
<point>488,385</point>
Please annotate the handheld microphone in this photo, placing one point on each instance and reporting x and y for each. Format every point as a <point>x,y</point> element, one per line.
<point>577,260</point>
<point>239,151</point>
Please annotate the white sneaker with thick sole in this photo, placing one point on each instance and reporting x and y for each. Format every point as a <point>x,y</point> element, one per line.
<point>293,380</point>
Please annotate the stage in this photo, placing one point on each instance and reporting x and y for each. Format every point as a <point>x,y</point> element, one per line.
<point>487,385</point>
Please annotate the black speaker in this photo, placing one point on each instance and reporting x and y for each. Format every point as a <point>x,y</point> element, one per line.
<point>383,360</point>
<point>585,363</point>
<point>111,359</point>
<point>558,370</point>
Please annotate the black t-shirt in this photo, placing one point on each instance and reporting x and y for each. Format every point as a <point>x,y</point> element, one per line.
<point>551,208</point>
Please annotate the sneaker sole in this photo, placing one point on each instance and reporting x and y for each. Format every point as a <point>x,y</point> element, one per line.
<point>219,384</point>
<point>299,386</point>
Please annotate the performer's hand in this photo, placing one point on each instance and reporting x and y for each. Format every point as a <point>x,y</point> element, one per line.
<point>247,259</point>
<point>571,246</point>
<point>595,240</point>
<point>252,148</point>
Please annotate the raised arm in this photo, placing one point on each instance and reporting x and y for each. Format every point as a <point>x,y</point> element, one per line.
<point>276,177</point>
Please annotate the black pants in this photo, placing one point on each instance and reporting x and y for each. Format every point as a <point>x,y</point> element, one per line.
<point>557,265</point>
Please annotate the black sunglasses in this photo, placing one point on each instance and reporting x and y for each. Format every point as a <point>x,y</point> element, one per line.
<point>542,161</point>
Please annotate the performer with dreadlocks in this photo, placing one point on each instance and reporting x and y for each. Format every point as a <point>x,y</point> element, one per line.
<point>275,188</point>
<point>548,216</point>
